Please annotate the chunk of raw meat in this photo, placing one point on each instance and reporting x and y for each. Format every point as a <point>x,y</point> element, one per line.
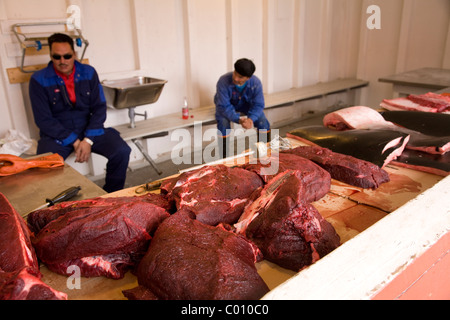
<point>214,194</point>
<point>429,102</point>
<point>189,260</point>
<point>16,251</point>
<point>318,177</point>
<point>23,285</point>
<point>106,239</point>
<point>432,100</point>
<point>297,239</point>
<point>399,104</point>
<point>296,184</point>
<point>39,219</point>
<point>289,231</point>
<point>20,278</point>
<point>344,168</point>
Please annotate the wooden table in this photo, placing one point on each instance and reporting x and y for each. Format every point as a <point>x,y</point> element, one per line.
<point>419,81</point>
<point>29,189</point>
<point>351,271</point>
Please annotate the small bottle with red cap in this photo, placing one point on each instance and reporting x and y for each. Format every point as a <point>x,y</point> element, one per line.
<point>185,110</point>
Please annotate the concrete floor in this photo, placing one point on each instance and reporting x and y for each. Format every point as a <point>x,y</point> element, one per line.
<point>146,174</point>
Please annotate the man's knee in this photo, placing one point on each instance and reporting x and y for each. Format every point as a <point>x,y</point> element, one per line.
<point>125,150</point>
<point>122,153</point>
<point>262,123</point>
<point>223,125</point>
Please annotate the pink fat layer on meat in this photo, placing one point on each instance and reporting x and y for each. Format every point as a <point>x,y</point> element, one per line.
<point>358,117</point>
<point>214,194</point>
<point>195,176</point>
<point>252,211</point>
<point>432,100</point>
<point>112,266</point>
<point>397,152</point>
<point>32,288</point>
<point>404,104</point>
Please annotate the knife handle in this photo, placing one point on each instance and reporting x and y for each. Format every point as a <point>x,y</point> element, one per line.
<point>63,196</point>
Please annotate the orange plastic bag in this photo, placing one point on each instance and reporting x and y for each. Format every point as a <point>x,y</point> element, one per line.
<point>10,164</point>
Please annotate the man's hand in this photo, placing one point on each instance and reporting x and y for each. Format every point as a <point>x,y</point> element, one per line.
<point>82,151</point>
<point>246,123</point>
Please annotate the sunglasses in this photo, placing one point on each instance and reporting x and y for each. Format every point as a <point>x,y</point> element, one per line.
<point>58,56</point>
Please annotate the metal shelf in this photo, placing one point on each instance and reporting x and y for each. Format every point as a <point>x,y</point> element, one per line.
<point>39,40</point>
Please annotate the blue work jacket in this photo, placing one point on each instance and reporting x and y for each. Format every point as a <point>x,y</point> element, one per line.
<point>230,101</point>
<point>54,113</point>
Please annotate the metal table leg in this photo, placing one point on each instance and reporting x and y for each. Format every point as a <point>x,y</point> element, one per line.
<point>146,156</point>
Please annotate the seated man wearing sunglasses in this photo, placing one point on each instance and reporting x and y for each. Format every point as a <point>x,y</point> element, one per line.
<point>69,109</point>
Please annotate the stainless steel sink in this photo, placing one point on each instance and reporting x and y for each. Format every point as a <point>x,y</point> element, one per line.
<point>132,92</point>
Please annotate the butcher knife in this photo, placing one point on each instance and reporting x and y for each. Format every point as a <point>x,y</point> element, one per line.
<point>63,196</point>
<point>150,186</point>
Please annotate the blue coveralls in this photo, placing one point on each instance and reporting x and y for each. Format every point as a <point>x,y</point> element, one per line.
<point>230,102</point>
<point>61,123</point>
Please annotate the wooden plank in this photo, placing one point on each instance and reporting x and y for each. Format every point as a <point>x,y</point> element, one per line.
<point>16,75</point>
<point>33,51</point>
<point>165,123</point>
<point>28,190</point>
<point>95,288</point>
<point>430,78</point>
<point>427,278</point>
<point>405,185</point>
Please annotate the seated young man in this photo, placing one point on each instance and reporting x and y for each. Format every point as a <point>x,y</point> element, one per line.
<point>240,92</point>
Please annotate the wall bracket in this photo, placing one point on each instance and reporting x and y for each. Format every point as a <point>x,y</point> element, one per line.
<point>39,40</point>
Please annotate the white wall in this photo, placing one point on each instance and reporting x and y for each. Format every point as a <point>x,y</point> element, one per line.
<point>191,43</point>
<point>414,34</point>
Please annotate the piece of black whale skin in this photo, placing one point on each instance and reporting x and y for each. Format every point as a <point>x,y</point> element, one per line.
<point>433,124</point>
<point>415,158</point>
<point>366,145</point>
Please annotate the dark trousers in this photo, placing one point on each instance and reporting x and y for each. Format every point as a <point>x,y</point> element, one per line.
<point>109,145</point>
<point>224,142</point>
<point>224,130</point>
